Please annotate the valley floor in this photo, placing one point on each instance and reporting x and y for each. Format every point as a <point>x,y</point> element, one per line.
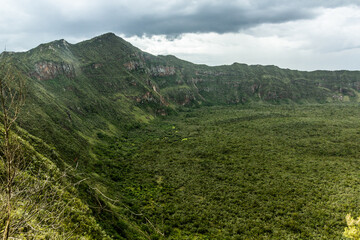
<point>265,172</point>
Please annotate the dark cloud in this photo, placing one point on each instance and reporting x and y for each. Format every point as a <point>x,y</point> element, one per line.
<point>141,17</point>
<point>46,20</point>
<point>219,16</point>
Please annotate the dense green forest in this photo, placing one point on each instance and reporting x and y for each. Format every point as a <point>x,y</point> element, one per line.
<point>259,172</point>
<point>134,146</point>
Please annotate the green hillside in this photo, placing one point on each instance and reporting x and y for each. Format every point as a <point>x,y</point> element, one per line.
<point>168,149</point>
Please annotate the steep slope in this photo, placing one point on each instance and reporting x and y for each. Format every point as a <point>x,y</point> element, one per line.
<point>45,204</point>
<point>81,98</point>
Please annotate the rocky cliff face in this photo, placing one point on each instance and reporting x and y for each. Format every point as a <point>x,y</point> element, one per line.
<point>49,70</point>
<point>154,71</point>
<point>162,71</point>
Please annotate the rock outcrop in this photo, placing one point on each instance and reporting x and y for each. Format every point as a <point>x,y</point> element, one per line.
<point>162,71</point>
<point>49,70</point>
<point>155,71</point>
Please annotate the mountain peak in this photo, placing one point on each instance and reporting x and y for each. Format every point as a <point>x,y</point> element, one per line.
<point>62,43</point>
<point>54,45</point>
<point>58,50</point>
<point>108,36</point>
<point>106,44</point>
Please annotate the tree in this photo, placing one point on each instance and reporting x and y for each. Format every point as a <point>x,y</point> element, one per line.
<point>12,97</point>
<point>29,197</point>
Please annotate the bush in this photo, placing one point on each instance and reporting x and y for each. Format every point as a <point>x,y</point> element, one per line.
<point>352,230</point>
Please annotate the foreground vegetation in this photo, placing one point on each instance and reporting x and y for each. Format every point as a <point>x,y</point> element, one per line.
<point>265,172</point>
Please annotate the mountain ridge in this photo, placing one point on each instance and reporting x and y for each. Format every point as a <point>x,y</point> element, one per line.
<point>105,79</point>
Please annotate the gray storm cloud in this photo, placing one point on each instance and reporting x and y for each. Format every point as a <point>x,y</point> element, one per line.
<point>143,18</point>
<point>212,16</point>
<point>155,17</point>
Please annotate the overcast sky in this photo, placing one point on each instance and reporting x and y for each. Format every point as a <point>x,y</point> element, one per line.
<point>302,34</point>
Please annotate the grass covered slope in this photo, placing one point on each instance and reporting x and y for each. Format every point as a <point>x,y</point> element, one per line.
<point>271,172</point>
<point>45,202</point>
